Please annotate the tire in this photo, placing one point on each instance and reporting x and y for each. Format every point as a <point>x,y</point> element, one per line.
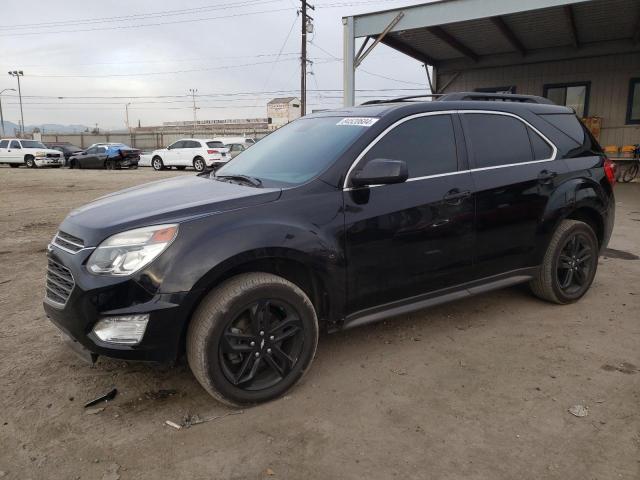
<point>30,162</point>
<point>630,173</point>
<point>569,264</point>
<point>157,164</point>
<point>198,164</point>
<point>14,165</point>
<point>181,168</point>
<point>226,320</point>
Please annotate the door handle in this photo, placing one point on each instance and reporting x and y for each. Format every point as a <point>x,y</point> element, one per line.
<point>545,176</point>
<point>455,196</point>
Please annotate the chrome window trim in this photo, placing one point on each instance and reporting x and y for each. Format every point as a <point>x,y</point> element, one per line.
<point>450,112</point>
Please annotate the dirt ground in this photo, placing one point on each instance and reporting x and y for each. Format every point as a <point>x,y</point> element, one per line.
<point>478,389</point>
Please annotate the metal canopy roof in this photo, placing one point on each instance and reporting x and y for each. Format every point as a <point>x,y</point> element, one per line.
<point>465,34</point>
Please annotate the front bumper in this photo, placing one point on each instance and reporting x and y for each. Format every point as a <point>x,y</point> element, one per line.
<point>48,162</point>
<point>95,297</point>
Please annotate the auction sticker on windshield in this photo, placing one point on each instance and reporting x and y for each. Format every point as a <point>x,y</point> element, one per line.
<point>358,121</point>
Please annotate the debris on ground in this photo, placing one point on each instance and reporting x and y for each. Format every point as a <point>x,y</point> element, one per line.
<point>160,394</point>
<point>579,410</point>
<point>93,411</point>
<point>110,395</point>
<point>173,424</point>
<point>194,419</point>
<point>399,371</point>
<point>269,472</point>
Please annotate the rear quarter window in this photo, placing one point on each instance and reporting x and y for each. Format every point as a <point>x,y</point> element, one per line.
<point>568,124</point>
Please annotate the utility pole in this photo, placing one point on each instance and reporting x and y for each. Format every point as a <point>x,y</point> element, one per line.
<point>18,74</point>
<point>307,27</point>
<point>126,108</point>
<point>1,116</point>
<point>193,92</point>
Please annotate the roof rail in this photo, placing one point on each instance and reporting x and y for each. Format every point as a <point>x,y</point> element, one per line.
<point>403,99</point>
<point>504,97</point>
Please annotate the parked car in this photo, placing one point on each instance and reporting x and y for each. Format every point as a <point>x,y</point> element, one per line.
<point>335,220</point>
<point>66,148</point>
<point>30,153</point>
<point>236,149</point>
<point>227,140</point>
<point>106,155</point>
<point>191,152</point>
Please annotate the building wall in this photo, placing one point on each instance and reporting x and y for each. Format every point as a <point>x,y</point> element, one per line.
<point>283,113</point>
<point>609,76</point>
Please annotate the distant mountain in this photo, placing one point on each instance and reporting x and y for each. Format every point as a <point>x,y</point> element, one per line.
<point>10,128</point>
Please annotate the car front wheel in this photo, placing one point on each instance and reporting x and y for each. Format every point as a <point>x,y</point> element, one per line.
<point>30,161</point>
<point>252,338</point>
<point>569,265</point>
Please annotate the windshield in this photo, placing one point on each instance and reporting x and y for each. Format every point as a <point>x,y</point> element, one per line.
<point>296,152</point>
<point>32,144</point>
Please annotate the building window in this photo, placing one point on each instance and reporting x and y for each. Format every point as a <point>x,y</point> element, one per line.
<point>633,105</point>
<point>508,89</point>
<point>572,95</point>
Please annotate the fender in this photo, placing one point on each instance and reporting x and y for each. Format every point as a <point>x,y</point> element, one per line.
<point>573,195</point>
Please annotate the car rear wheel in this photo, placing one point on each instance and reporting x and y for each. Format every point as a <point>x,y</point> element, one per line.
<point>30,162</point>
<point>569,265</point>
<point>252,338</point>
<point>198,164</point>
<point>157,163</point>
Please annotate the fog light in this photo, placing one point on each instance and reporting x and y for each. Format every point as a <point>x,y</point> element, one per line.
<point>124,330</point>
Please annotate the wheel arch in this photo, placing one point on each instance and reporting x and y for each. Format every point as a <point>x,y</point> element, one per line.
<point>292,265</point>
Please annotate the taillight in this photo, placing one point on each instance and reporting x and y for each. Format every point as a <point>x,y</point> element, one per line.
<point>610,171</point>
<point>212,151</point>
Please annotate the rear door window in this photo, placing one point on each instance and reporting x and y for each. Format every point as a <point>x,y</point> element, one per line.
<point>4,143</point>
<point>426,144</point>
<point>192,144</point>
<point>497,140</point>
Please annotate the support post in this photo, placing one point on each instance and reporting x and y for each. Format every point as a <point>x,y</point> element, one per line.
<point>349,70</point>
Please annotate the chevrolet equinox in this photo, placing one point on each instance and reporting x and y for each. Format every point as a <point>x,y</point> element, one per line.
<point>338,219</point>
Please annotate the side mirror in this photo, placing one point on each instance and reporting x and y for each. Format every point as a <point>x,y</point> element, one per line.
<point>381,171</point>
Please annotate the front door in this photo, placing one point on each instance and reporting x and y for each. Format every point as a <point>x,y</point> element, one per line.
<point>412,238</point>
<point>514,170</point>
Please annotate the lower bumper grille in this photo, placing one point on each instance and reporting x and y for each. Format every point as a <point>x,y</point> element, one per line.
<point>60,283</point>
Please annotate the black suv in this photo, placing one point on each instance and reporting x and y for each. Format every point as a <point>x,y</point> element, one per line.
<point>338,219</point>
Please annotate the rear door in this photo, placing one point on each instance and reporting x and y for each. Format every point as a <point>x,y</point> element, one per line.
<point>515,169</point>
<point>193,148</point>
<point>408,239</point>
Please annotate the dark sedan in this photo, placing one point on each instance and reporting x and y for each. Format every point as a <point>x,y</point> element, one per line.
<point>106,155</point>
<point>67,149</point>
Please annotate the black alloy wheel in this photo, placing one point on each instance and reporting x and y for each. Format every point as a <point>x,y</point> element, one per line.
<point>252,338</point>
<point>575,263</point>
<point>261,345</point>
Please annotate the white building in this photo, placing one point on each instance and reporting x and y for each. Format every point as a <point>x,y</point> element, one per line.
<point>282,111</point>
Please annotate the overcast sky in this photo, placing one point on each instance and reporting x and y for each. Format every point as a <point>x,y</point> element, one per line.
<point>226,49</point>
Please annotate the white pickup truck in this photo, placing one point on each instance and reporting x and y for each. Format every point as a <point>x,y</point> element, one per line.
<point>31,153</point>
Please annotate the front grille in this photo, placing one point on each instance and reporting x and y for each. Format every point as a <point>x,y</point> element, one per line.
<point>60,283</point>
<point>53,155</point>
<point>68,242</point>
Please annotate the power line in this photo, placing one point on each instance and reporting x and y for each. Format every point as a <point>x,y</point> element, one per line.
<point>139,16</point>
<point>284,44</point>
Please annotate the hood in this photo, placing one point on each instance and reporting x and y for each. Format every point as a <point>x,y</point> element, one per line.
<point>47,150</point>
<point>166,201</point>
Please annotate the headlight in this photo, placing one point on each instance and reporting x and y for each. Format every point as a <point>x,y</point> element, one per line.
<point>127,252</point>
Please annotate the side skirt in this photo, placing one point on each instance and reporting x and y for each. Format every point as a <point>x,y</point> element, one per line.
<point>419,302</point>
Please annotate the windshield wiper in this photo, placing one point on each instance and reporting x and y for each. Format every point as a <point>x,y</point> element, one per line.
<point>256,182</point>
